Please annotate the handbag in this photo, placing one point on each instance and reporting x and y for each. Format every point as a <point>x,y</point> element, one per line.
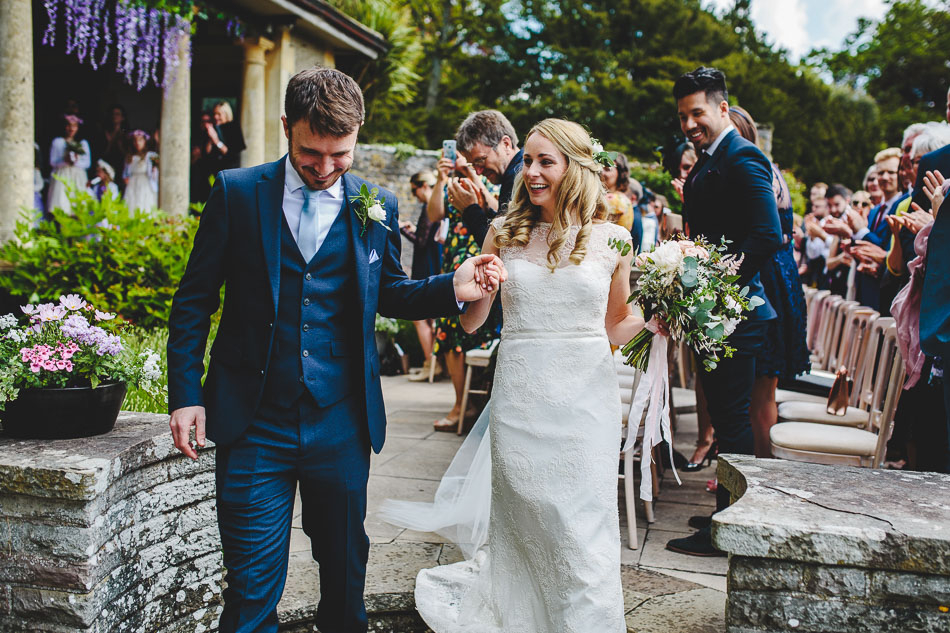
<point>840,393</point>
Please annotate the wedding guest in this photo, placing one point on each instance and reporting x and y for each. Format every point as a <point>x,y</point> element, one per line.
<point>488,142</point>
<point>69,157</point>
<point>460,245</point>
<point>871,238</point>
<point>872,186</point>
<point>634,193</point>
<point>225,139</point>
<point>816,199</point>
<point>38,181</point>
<point>861,202</point>
<point>114,141</point>
<point>616,179</point>
<point>839,263</point>
<point>935,161</point>
<point>140,174</point>
<point>728,194</point>
<point>784,353</point>
<point>678,161</point>
<point>104,182</point>
<point>426,258</point>
<point>650,222</point>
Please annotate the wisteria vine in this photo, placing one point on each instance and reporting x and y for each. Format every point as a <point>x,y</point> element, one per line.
<point>147,39</point>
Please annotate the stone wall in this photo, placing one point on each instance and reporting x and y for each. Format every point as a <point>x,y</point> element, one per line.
<point>107,534</point>
<point>821,548</point>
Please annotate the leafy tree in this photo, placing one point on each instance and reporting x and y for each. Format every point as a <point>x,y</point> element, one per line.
<point>900,61</point>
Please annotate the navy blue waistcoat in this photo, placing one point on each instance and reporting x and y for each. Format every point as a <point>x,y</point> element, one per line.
<point>317,345</point>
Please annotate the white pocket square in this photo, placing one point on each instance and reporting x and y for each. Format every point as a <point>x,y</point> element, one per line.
<point>373,256</point>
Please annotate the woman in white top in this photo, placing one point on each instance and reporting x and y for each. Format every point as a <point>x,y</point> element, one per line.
<point>141,174</point>
<point>69,158</point>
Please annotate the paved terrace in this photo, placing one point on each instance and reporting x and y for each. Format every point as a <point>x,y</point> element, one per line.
<point>663,591</point>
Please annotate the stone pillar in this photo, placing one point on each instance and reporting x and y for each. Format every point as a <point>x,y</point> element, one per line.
<point>16,112</point>
<point>253,100</point>
<point>280,68</point>
<point>174,172</point>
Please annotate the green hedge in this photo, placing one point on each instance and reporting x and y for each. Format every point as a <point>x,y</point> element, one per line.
<point>127,262</point>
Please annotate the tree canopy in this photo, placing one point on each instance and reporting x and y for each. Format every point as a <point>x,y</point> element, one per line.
<point>611,64</point>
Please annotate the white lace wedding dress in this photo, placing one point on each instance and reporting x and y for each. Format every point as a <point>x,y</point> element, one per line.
<point>552,559</point>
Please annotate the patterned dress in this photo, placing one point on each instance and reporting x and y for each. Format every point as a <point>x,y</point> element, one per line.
<point>459,246</point>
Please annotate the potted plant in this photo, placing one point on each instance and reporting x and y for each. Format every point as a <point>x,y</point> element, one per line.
<point>65,372</point>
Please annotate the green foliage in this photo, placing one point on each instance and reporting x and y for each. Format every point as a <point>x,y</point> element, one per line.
<point>797,190</point>
<point>129,261</point>
<point>402,151</point>
<point>657,180</point>
<point>901,61</point>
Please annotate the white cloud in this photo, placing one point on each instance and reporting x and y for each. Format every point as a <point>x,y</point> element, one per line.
<point>784,22</point>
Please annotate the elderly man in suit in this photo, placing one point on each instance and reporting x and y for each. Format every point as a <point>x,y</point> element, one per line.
<point>728,194</point>
<point>308,254</point>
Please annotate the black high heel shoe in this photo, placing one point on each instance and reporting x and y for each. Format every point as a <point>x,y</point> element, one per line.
<point>713,451</point>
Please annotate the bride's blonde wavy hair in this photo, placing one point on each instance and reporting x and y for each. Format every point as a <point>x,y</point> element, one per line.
<point>579,196</point>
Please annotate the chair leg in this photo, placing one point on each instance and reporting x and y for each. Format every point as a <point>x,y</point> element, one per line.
<point>468,382</point>
<point>630,496</point>
<point>648,509</point>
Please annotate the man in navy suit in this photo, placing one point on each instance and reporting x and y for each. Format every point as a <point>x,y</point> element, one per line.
<point>293,393</point>
<point>728,194</point>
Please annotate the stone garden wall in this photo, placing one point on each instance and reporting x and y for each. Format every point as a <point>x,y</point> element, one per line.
<point>107,534</point>
<point>821,548</point>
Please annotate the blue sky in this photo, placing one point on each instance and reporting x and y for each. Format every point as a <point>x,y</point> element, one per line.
<point>800,25</point>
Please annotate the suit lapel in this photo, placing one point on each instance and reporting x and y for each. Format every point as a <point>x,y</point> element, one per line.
<point>360,243</point>
<point>270,203</point>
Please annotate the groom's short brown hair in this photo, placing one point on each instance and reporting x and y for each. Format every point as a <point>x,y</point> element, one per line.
<point>330,100</point>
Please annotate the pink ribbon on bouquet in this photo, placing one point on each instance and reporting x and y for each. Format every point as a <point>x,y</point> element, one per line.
<point>653,390</point>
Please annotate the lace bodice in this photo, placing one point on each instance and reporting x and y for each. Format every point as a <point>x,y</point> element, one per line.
<point>572,298</point>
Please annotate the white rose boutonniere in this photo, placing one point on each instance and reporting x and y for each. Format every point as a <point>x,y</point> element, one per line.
<point>368,208</point>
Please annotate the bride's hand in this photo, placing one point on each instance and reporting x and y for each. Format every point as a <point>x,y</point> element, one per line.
<point>658,326</point>
<point>478,277</point>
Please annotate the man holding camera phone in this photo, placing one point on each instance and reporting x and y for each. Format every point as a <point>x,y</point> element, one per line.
<point>489,144</point>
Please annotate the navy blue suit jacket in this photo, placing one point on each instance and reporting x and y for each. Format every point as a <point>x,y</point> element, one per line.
<point>238,245</point>
<point>730,195</point>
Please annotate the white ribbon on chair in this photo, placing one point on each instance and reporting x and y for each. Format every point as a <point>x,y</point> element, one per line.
<point>653,390</point>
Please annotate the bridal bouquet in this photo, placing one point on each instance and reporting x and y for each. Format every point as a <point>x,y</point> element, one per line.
<point>691,285</point>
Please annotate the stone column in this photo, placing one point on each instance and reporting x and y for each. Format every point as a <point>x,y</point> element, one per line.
<point>16,112</point>
<point>174,173</point>
<point>254,100</point>
<point>280,68</point>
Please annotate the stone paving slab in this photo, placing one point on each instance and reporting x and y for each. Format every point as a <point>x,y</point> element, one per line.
<point>663,591</point>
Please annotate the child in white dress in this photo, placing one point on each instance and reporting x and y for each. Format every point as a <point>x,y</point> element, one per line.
<point>141,174</point>
<point>69,158</point>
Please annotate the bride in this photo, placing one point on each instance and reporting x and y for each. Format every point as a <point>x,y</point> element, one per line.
<point>551,563</point>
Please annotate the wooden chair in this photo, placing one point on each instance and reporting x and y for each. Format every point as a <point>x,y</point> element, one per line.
<point>832,444</point>
<point>629,378</point>
<point>864,364</point>
<point>474,358</point>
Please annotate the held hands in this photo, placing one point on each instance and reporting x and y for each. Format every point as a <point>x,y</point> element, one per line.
<point>479,277</point>
<point>181,422</point>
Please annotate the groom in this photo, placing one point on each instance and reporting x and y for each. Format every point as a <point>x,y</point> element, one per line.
<point>293,392</point>
<point>728,194</point>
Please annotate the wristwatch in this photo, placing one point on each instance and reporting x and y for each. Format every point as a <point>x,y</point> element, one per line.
<point>219,144</point>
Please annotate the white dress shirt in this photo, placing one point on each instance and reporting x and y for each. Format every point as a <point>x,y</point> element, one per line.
<point>715,144</point>
<point>329,203</point>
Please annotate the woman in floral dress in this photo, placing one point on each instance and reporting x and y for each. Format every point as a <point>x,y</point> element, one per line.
<point>459,245</point>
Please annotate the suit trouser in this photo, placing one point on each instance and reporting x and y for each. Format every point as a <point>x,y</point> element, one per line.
<point>326,450</point>
<point>728,390</point>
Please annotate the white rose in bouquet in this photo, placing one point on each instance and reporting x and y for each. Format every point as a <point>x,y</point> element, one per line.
<point>668,258</point>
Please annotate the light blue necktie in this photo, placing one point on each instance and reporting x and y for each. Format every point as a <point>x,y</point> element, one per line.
<point>307,228</point>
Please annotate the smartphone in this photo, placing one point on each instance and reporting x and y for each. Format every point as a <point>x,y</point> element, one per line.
<point>448,150</point>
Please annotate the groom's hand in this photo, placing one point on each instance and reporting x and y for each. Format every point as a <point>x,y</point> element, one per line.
<point>181,422</point>
<point>478,277</point>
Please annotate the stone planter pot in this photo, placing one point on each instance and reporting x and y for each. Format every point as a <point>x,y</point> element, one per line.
<point>63,413</point>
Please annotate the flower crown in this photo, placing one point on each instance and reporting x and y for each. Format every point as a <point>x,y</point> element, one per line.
<point>602,157</point>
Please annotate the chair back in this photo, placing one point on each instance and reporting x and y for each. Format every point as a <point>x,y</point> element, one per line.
<point>816,316</point>
<point>839,316</point>
<point>888,391</point>
<point>628,378</point>
<point>855,319</point>
<point>866,376</point>
<point>829,307</point>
